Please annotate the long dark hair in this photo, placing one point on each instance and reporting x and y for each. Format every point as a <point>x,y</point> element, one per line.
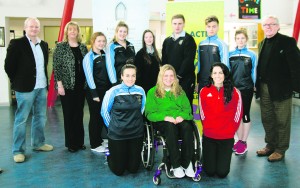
<point>227,84</point>
<point>145,54</point>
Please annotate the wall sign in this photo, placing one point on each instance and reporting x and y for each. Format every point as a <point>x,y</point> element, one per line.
<point>249,9</point>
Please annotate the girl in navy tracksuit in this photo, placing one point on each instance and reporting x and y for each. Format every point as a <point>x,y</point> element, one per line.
<point>122,109</point>
<point>98,82</point>
<point>119,52</point>
<point>243,63</point>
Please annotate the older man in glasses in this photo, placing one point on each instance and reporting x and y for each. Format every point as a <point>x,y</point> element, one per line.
<point>278,75</point>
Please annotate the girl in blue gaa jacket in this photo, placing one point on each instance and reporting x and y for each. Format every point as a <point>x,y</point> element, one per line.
<point>98,82</point>
<point>119,52</point>
<point>122,109</point>
<point>243,63</point>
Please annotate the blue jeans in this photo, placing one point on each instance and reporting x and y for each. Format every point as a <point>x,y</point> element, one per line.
<point>27,101</point>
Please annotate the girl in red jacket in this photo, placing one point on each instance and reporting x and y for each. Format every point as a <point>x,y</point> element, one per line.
<point>221,111</point>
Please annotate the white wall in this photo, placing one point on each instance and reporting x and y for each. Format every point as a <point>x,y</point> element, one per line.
<point>106,21</point>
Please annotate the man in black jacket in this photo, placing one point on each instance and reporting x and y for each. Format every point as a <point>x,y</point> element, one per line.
<point>26,66</point>
<point>277,77</point>
<point>179,50</point>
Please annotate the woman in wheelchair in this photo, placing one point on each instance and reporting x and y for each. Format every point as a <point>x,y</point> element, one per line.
<point>122,109</point>
<point>169,109</point>
<point>221,112</point>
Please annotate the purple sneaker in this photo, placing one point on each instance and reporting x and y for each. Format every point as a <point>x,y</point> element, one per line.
<point>241,149</point>
<point>236,145</point>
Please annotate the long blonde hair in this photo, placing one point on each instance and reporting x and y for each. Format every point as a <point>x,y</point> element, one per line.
<point>176,89</point>
<point>72,23</point>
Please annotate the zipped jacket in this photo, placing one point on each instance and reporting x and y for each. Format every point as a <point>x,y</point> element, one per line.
<point>219,120</point>
<point>122,110</point>
<point>210,50</point>
<point>243,63</point>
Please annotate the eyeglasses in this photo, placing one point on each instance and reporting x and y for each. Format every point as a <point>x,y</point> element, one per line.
<point>269,25</point>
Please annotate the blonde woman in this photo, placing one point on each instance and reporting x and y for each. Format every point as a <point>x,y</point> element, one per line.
<point>70,79</point>
<point>169,109</point>
<point>119,52</point>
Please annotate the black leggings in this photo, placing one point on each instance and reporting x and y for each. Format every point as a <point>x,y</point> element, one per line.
<point>247,96</point>
<point>124,155</point>
<point>172,133</point>
<point>217,156</point>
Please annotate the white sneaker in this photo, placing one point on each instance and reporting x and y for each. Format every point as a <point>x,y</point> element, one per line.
<point>105,140</point>
<point>189,171</point>
<point>178,172</point>
<point>99,149</point>
<point>105,144</point>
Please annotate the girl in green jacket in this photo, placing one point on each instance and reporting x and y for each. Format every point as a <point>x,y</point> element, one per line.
<point>169,109</point>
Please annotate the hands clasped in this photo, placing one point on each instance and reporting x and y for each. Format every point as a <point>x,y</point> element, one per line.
<point>178,119</point>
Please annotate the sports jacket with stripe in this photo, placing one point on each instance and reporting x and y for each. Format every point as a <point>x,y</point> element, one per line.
<point>219,120</point>
<point>210,50</point>
<point>122,110</point>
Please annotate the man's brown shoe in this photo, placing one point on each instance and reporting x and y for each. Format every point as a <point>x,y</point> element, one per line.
<point>264,152</point>
<point>275,157</point>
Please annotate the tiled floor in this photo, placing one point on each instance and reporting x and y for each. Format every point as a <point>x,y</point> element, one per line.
<point>60,168</point>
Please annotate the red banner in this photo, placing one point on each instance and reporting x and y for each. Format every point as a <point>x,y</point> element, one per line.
<point>297,23</point>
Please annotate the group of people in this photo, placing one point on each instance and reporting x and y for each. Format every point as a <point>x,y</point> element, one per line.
<point>123,88</point>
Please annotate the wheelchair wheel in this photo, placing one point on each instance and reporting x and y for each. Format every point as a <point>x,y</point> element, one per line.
<point>148,150</point>
<point>197,144</point>
<point>156,180</point>
<point>197,178</point>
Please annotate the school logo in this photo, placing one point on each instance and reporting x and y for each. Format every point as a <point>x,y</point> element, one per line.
<point>139,98</point>
<point>214,49</point>
<point>180,42</point>
<point>247,60</point>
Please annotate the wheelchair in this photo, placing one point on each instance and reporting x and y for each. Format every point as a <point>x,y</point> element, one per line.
<point>152,139</point>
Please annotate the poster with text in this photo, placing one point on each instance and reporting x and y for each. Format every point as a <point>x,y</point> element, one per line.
<point>249,9</point>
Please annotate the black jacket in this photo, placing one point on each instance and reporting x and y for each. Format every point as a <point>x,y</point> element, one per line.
<point>283,68</point>
<point>146,73</point>
<point>180,53</point>
<point>20,64</point>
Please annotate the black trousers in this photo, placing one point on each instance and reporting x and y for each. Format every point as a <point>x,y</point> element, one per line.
<point>172,133</point>
<point>72,104</point>
<point>124,155</point>
<point>217,156</point>
<point>96,122</point>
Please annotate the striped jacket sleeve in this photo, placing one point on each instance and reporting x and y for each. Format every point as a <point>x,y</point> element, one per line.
<point>110,63</point>
<point>239,108</point>
<point>224,52</point>
<point>254,67</point>
<point>88,69</point>
<point>107,103</point>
